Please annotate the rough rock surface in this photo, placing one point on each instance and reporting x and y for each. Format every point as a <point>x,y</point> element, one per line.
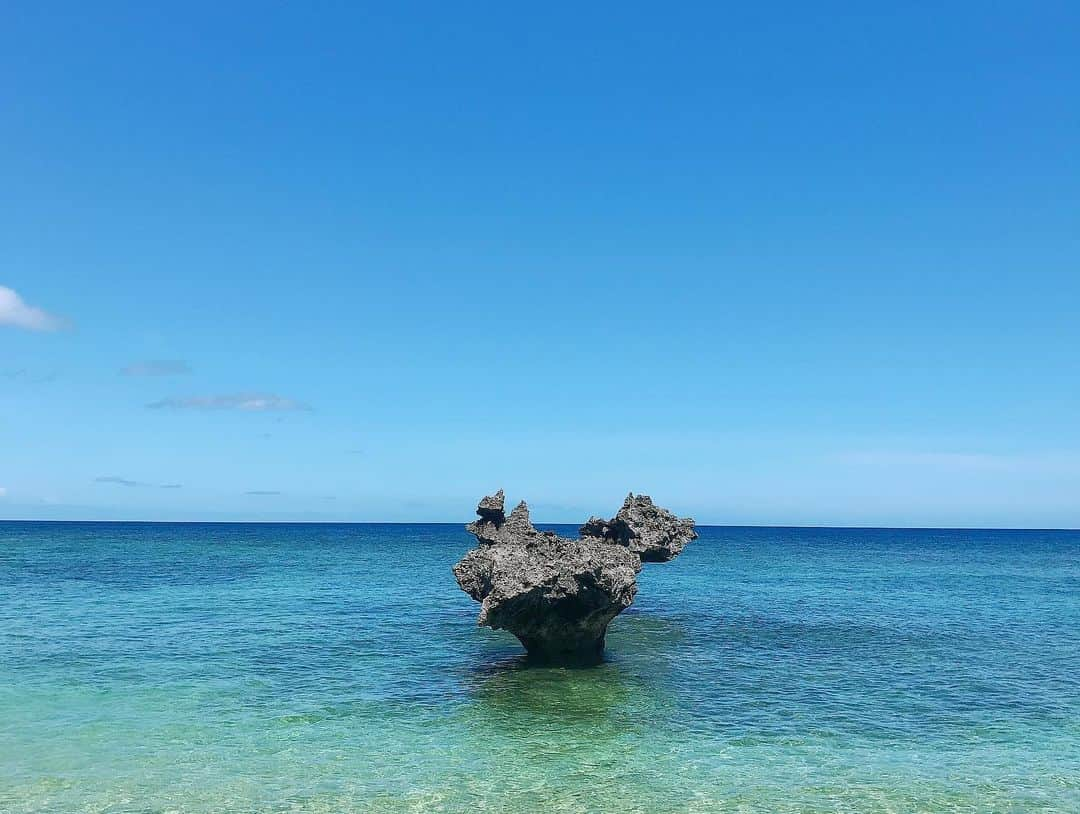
<point>555,594</point>
<point>654,534</point>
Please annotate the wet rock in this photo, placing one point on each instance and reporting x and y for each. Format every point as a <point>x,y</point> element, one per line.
<point>555,594</point>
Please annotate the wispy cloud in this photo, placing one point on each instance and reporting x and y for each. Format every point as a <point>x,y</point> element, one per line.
<point>17,314</point>
<point>247,402</point>
<point>27,376</point>
<point>263,492</point>
<point>932,459</point>
<point>3,491</point>
<point>157,367</point>
<point>954,461</point>
<point>118,481</point>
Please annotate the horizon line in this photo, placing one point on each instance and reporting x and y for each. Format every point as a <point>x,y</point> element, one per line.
<point>537,522</point>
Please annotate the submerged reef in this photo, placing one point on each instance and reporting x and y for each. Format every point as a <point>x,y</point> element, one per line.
<point>558,595</point>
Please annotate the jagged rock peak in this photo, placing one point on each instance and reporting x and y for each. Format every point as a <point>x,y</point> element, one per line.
<point>495,527</point>
<point>653,533</point>
<point>491,508</point>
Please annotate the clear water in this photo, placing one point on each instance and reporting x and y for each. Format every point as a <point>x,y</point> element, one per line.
<point>297,668</point>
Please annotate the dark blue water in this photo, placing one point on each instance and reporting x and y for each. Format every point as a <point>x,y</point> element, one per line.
<point>337,668</point>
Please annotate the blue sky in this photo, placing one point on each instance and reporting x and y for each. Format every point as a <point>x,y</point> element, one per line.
<point>776,263</point>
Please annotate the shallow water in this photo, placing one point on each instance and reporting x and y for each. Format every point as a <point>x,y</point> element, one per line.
<point>337,668</point>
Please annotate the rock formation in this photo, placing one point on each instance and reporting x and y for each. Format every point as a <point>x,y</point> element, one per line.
<point>555,594</point>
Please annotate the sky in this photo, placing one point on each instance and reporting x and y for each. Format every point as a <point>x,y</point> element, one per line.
<point>771,263</point>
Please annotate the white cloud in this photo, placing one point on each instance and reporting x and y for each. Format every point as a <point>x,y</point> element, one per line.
<point>17,314</point>
<point>248,402</point>
<point>158,367</point>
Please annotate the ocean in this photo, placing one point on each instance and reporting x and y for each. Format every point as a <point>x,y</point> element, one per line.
<point>220,668</point>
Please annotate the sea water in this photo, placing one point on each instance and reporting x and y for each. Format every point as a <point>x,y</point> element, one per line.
<point>211,668</point>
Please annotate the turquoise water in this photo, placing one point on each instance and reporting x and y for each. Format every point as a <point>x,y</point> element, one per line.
<point>322,668</point>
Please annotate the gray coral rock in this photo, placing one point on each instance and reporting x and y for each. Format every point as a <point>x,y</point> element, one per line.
<point>555,594</point>
<point>654,534</point>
